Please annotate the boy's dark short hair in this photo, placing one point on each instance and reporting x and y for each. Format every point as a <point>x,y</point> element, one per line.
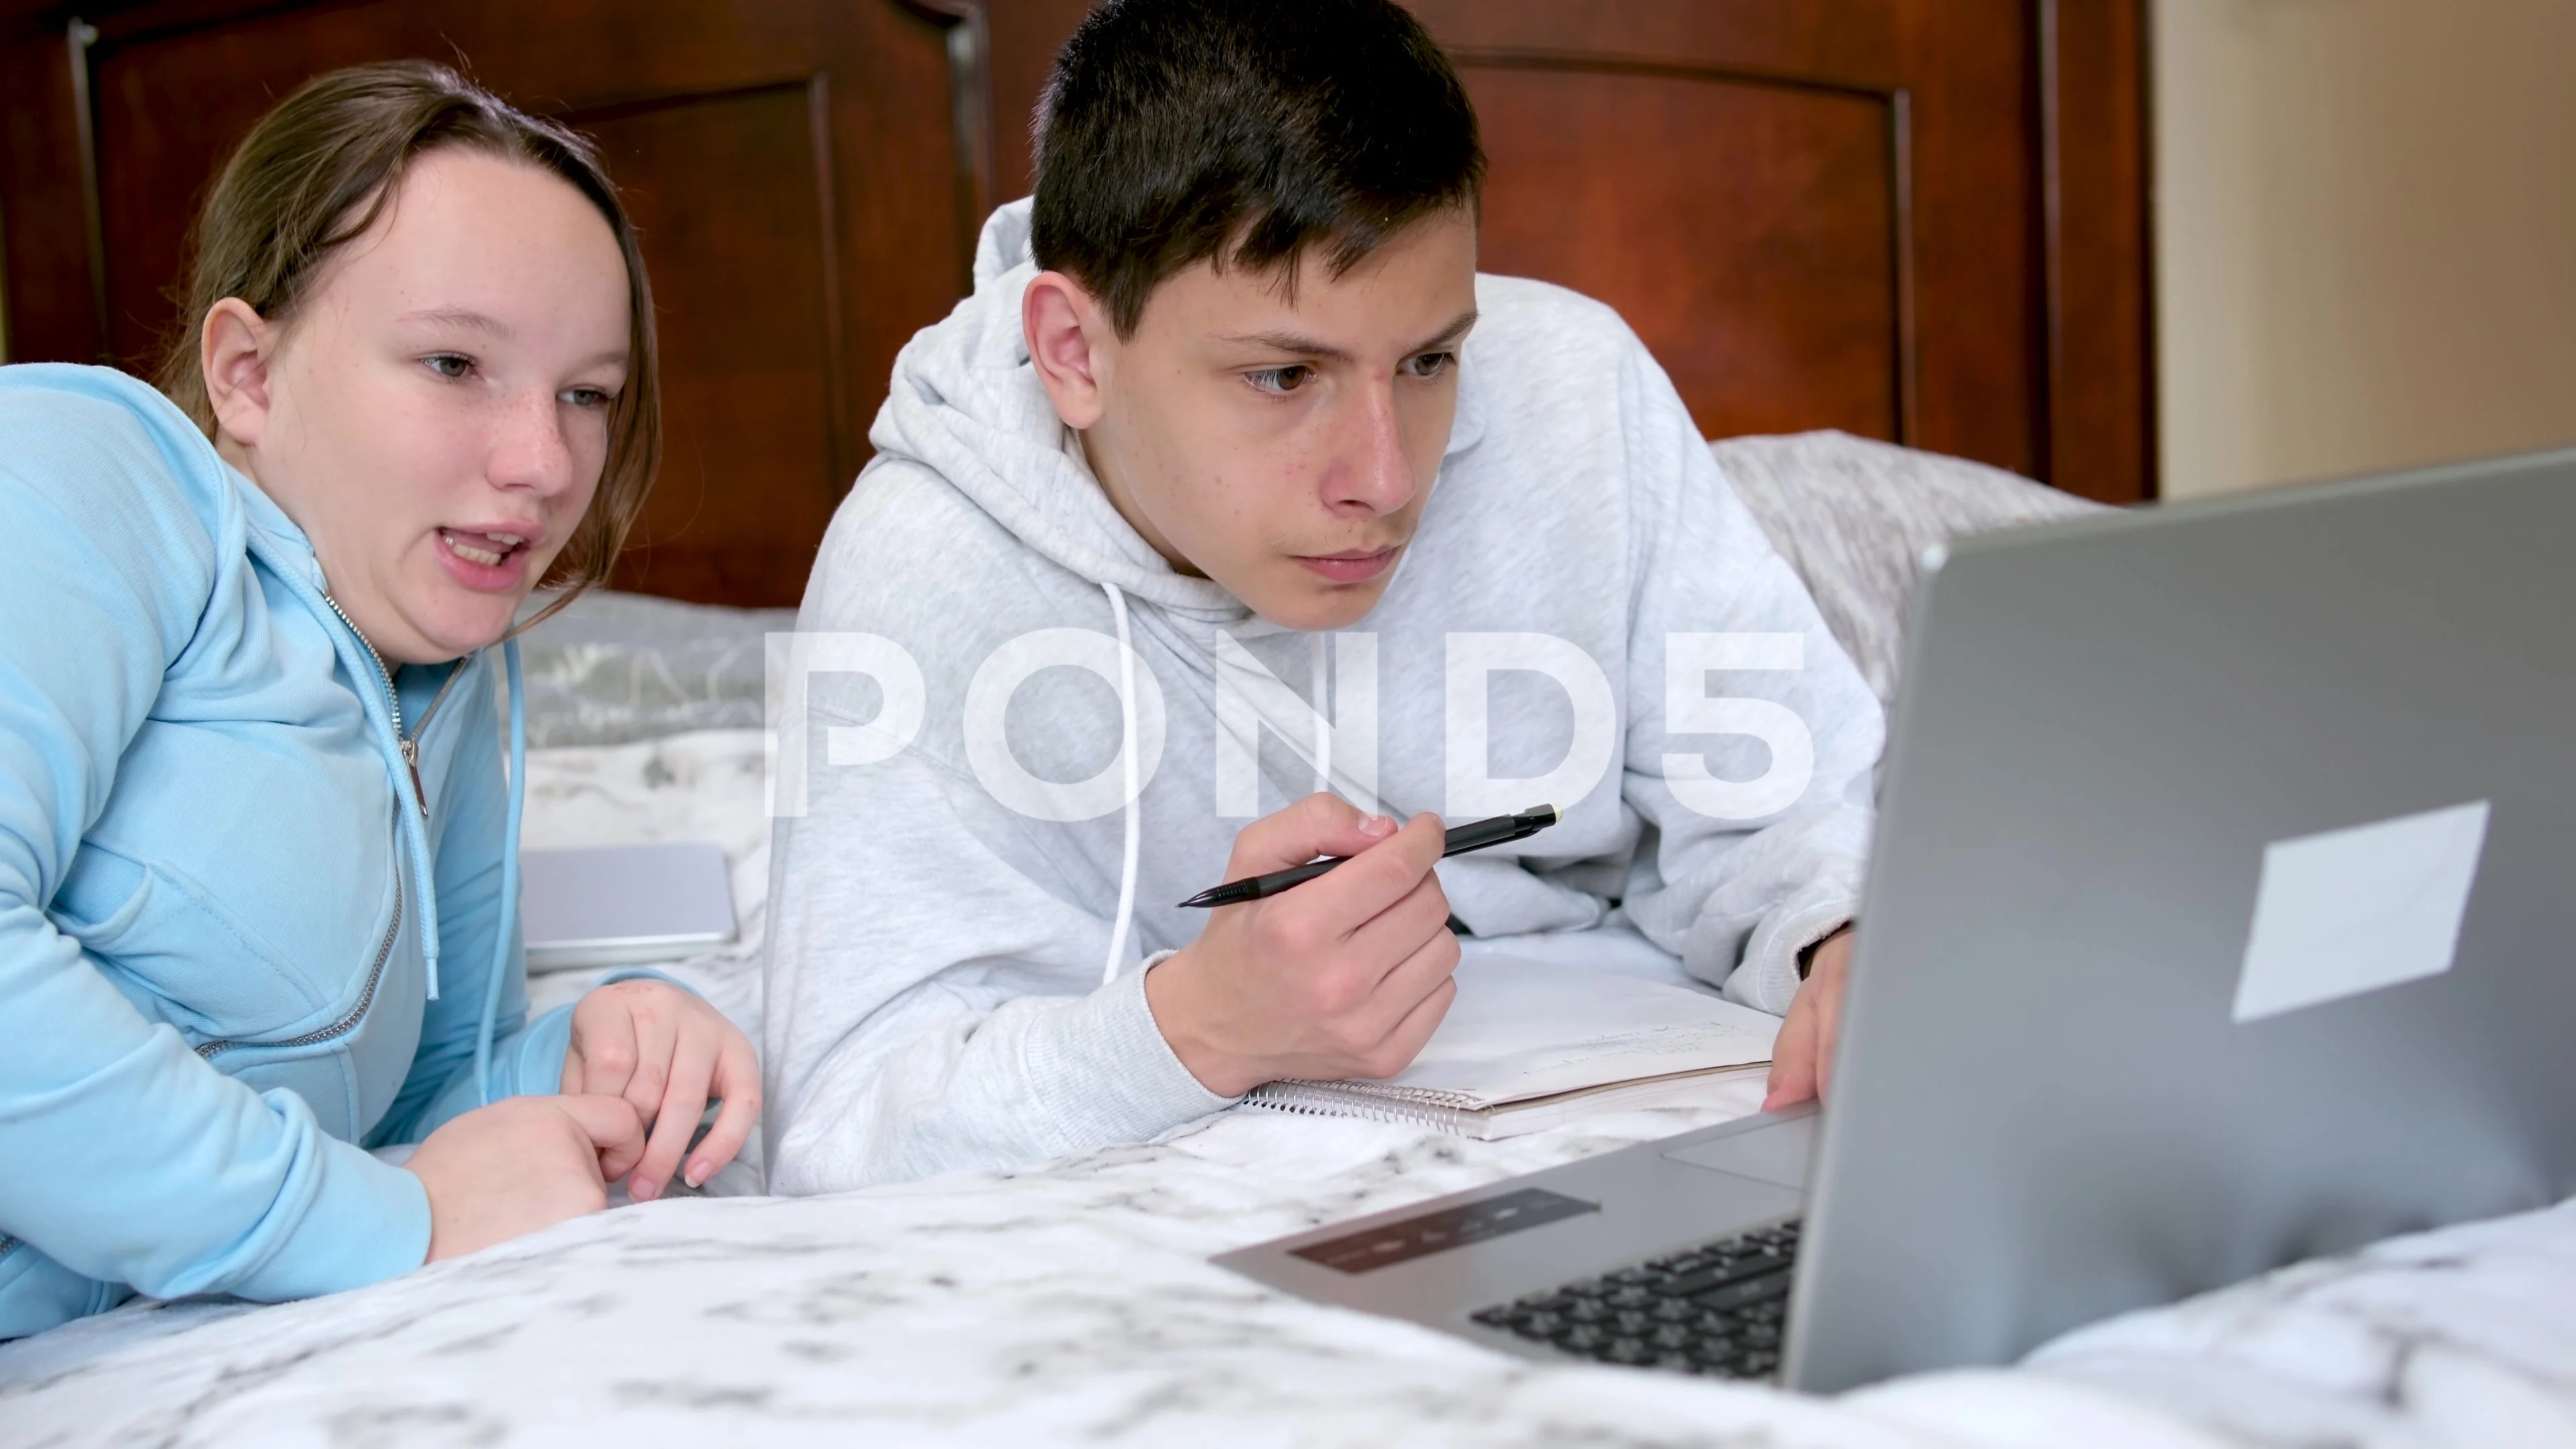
<point>1242,132</point>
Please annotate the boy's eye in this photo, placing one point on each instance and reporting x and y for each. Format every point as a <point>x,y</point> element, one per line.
<point>1429,364</point>
<point>1281,380</point>
<point>449,365</point>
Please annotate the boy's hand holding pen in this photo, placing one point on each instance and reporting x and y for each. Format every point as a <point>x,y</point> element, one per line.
<point>1325,968</point>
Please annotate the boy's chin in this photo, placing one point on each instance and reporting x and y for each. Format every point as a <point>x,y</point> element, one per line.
<point>1311,606</point>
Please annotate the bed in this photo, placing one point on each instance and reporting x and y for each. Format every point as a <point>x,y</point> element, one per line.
<point>1074,1301</point>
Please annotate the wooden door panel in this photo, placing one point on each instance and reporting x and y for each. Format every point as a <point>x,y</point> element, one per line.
<point>724,198</point>
<point>1815,215</point>
<point>44,242</point>
<point>1857,43</point>
<point>1748,234</point>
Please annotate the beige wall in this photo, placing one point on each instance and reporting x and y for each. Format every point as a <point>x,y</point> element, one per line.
<point>2365,234</point>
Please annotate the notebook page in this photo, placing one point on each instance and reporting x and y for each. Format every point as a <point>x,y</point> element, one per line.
<point>1524,1029</point>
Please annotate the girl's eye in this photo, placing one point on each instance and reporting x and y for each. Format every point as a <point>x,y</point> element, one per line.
<point>591,398</point>
<point>1280,381</point>
<point>449,365</point>
<point>1429,364</point>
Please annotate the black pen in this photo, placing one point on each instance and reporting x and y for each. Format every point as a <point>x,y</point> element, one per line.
<point>1475,835</point>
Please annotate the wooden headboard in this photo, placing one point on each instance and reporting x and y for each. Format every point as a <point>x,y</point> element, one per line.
<point>1921,220</point>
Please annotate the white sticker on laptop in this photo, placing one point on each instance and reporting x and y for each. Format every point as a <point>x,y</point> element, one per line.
<point>2349,911</point>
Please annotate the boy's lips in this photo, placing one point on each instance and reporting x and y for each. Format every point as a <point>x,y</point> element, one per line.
<point>1351,566</point>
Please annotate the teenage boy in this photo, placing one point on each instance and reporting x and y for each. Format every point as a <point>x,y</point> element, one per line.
<point>1233,481</point>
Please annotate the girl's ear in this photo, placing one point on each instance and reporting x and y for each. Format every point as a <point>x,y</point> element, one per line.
<point>1061,322</point>
<point>233,352</point>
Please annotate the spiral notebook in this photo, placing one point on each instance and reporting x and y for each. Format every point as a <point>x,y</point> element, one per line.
<point>1529,1045</point>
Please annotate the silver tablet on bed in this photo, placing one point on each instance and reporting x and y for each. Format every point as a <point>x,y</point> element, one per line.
<point>623,905</point>
<point>2219,916</point>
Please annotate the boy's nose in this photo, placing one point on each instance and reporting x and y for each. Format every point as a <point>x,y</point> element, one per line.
<point>1375,473</point>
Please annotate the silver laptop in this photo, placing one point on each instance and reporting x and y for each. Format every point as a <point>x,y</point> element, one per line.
<point>2222,913</point>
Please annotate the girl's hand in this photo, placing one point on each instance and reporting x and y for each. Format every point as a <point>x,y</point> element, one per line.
<point>666,1052</point>
<point>521,1164</point>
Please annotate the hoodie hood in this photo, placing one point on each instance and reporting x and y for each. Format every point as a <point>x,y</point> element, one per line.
<point>966,402</point>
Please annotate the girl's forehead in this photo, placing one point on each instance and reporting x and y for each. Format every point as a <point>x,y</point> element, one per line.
<point>468,235</point>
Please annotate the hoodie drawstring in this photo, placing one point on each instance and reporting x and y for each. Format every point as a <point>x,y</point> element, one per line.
<point>508,918</point>
<point>1133,820</point>
<point>1321,676</point>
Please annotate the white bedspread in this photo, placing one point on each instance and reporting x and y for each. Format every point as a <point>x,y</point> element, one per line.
<point>1075,1302</point>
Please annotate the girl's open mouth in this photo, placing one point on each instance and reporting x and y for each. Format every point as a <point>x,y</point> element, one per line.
<point>487,549</point>
<point>484,559</point>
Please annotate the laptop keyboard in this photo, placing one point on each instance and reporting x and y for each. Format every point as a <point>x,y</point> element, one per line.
<point>1715,1309</point>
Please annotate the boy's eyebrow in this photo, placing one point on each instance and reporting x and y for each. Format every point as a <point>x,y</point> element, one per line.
<point>1449,335</point>
<point>1309,347</point>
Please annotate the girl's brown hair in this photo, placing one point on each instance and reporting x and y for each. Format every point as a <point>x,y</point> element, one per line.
<point>318,170</point>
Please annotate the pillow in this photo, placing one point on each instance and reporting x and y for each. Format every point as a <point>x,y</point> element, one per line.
<point>613,668</point>
<point>1854,517</point>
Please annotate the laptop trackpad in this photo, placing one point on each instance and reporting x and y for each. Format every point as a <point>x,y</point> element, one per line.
<point>1777,1153</point>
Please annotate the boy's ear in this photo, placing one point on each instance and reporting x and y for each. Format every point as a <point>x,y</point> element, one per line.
<point>233,353</point>
<point>1063,326</point>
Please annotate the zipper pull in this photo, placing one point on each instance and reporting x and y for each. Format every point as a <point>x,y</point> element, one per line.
<point>411,762</point>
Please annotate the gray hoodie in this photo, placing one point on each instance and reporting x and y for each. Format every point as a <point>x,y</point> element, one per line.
<point>1012,736</point>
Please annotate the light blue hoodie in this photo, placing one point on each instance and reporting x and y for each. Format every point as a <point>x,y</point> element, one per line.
<point>236,948</point>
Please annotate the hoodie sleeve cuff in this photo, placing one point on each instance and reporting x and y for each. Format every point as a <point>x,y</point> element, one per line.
<point>365,1221</point>
<point>1767,977</point>
<point>1111,1056</point>
<point>529,1063</point>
